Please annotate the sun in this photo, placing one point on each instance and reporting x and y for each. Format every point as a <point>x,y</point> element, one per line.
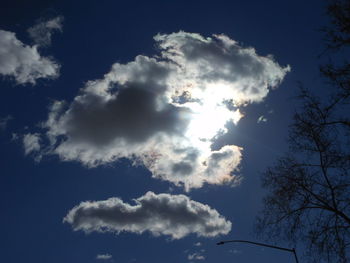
<point>209,118</point>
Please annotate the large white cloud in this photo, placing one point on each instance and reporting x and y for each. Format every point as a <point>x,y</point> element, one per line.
<point>22,62</point>
<point>160,214</point>
<point>165,111</point>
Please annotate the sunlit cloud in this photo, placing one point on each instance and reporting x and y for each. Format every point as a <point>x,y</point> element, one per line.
<point>31,143</point>
<point>160,214</point>
<point>22,62</point>
<point>165,112</point>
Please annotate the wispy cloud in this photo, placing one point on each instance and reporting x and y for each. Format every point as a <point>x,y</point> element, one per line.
<point>160,214</point>
<point>196,256</point>
<point>41,33</point>
<point>104,257</point>
<point>4,121</point>
<point>235,251</point>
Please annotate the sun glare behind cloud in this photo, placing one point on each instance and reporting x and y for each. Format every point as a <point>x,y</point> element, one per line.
<point>209,118</point>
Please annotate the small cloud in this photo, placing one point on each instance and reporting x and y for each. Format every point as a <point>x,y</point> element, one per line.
<point>22,62</point>
<point>41,32</point>
<point>235,251</point>
<point>104,257</point>
<point>4,121</point>
<point>31,144</point>
<point>14,136</point>
<point>262,118</point>
<point>195,256</point>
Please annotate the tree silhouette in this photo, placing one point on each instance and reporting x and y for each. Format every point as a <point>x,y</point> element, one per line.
<point>308,196</point>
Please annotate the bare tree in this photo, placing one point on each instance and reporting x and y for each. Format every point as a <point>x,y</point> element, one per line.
<point>338,33</point>
<point>308,196</point>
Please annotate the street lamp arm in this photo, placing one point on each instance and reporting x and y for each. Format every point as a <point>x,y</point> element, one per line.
<point>261,244</point>
<point>254,243</point>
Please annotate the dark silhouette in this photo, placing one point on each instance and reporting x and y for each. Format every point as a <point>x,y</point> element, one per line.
<point>262,245</point>
<point>338,33</point>
<point>308,196</point>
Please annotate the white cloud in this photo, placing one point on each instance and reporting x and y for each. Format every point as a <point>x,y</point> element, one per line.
<point>198,244</point>
<point>195,256</point>
<point>31,143</point>
<point>165,111</point>
<point>262,118</point>
<point>237,73</point>
<point>41,32</point>
<point>104,257</point>
<point>160,214</point>
<point>23,62</point>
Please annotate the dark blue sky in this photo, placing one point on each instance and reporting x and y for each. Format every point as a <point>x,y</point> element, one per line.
<point>36,196</point>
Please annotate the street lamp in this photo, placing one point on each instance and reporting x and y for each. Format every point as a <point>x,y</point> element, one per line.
<point>261,244</point>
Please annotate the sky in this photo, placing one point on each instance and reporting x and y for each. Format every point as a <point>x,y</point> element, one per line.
<point>137,131</point>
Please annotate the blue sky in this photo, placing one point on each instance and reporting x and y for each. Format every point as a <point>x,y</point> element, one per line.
<point>40,188</point>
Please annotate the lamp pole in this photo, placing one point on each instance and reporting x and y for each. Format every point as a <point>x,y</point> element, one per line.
<point>263,245</point>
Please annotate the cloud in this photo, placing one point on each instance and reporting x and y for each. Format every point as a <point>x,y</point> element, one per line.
<point>23,62</point>
<point>164,112</point>
<point>31,143</point>
<point>41,32</point>
<point>196,256</point>
<point>233,70</point>
<point>104,257</point>
<point>4,121</point>
<point>262,118</point>
<point>160,214</point>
